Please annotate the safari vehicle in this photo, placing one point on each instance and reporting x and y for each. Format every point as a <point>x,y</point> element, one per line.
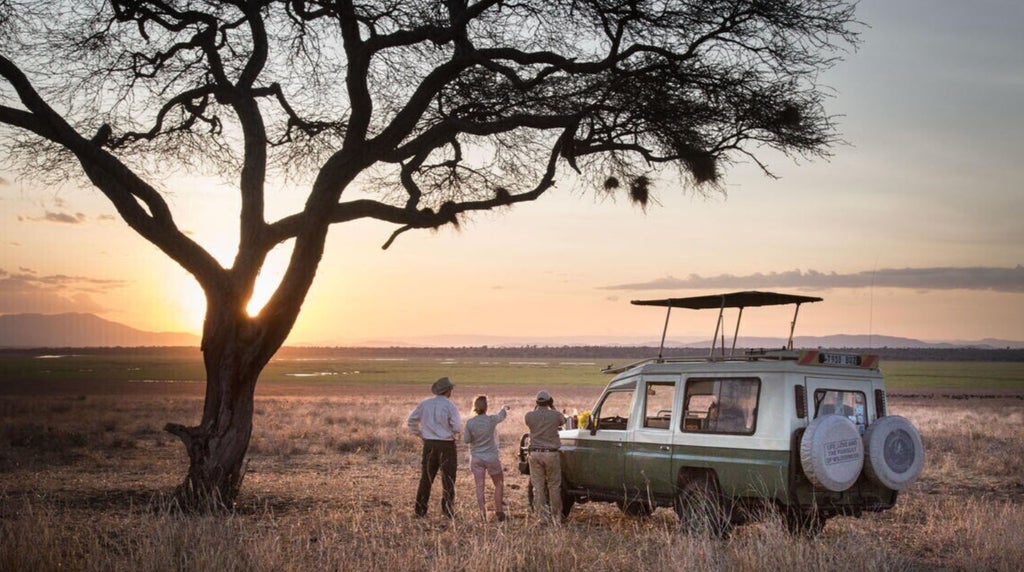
<point>728,437</point>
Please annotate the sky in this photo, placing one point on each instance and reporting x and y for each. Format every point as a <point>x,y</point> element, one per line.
<point>912,228</point>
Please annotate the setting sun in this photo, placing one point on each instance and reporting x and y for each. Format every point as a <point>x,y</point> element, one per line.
<point>268,280</point>
<point>190,301</point>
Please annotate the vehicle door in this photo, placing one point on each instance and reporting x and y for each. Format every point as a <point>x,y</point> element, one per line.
<point>719,416</point>
<point>649,448</point>
<point>599,456</point>
<point>827,396</point>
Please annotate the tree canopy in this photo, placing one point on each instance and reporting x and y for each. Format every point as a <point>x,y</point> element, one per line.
<point>437,103</point>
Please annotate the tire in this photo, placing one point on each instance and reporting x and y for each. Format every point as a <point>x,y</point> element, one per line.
<point>893,452</point>
<point>524,454</point>
<point>832,453</point>
<point>699,507</point>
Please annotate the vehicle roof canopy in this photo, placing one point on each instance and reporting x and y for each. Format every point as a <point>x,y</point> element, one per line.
<point>739,300</point>
<point>746,299</point>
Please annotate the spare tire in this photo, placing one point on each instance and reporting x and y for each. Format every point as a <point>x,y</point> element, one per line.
<point>893,452</point>
<point>832,453</point>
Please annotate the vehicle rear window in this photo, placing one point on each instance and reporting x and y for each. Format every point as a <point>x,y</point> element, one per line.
<point>721,405</point>
<point>849,404</point>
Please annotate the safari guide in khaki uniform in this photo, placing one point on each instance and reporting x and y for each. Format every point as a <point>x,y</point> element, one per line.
<point>545,467</point>
<point>436,420</point>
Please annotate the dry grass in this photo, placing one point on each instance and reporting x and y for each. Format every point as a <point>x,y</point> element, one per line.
<point>332,475</point>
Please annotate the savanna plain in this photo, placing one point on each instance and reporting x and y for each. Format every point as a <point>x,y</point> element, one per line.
<point>87,475</point>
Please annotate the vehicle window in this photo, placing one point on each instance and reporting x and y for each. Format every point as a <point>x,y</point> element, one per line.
<point>721,405</point>
<point>849,404</point>
<point>658,405</point>
<point>613,411</point>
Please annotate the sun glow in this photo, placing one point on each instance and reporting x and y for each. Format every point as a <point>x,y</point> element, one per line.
<point>266,284</point>
<point>269,279</point>
<point>190,300</point>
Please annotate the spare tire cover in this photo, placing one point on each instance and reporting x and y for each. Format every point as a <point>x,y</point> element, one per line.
<point>832,452</point>
<point>893,452</point>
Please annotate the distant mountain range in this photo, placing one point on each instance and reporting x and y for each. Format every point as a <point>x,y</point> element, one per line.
<point>88,330</point>
<point>861,341</point>
<point>80,331</point>
<point>866,341</point>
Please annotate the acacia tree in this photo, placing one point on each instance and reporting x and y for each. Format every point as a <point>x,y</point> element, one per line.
<point>432,109</point>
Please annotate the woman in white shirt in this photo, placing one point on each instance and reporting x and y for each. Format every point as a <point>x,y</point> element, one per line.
<point>484,455</point>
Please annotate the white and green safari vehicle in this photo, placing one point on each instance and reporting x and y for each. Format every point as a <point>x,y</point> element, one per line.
<point>726,438</point>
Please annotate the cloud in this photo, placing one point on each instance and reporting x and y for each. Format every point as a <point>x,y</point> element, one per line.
<point>941,278</point>
<point>64,218</point>
<point>26,291</point>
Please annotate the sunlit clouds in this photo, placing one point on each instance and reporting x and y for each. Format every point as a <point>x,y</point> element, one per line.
<point>25,291</point>
<point>55,210</point>
<point>65,218</point>
<point>1009,280</point>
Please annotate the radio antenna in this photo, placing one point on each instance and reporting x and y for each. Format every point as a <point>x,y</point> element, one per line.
<point>871,306</point>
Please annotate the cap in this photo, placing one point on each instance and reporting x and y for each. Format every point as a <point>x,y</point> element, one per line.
<point>442,385</point>
<point>543,396</point>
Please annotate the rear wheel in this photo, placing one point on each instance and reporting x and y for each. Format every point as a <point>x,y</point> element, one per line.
<point>699,506</point>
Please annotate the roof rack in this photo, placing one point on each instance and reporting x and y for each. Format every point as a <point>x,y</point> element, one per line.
<point>741,300</point>
<point>802,357</point>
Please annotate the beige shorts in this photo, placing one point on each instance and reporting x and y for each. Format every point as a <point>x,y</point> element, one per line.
<point>480,466</point>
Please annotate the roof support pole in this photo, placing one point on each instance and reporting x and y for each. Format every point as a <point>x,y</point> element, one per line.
<point>664,331</point>
<point>736,334</point>
<point>792,327</point>
<point>718,326</point>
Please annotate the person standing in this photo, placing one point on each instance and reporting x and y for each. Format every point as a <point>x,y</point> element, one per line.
<point>436,420</point>
<point>545,466</point>
<point>484,457</point>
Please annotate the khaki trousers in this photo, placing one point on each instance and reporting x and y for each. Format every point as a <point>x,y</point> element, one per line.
<point>546,478</point>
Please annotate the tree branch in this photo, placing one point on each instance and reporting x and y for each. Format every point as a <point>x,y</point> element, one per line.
<point>117,182</point>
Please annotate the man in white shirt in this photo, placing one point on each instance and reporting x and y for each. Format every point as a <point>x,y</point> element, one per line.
<point>436,420</point>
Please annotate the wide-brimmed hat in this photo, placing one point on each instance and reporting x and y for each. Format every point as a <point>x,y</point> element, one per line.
<point>442,385</point>
<point>543,396</point>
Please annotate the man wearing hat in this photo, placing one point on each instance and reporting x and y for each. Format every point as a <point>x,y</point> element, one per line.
<point>545,466</point>
<point>436,420</point>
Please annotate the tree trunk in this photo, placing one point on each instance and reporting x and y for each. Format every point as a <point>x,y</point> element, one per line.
<point>236,347</point>
<point>217,447</point>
